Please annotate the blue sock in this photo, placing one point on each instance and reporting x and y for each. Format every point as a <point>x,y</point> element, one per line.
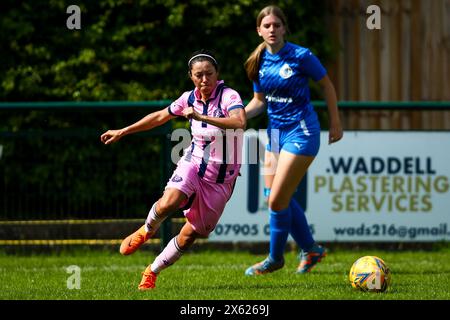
<point>299,227</point>
<point>280,224</point>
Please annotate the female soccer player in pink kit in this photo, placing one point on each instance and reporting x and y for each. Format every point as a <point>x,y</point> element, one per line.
<point>204,178</point>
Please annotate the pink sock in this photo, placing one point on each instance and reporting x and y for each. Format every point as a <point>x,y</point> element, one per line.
<point>153,220</point>
<point>167,257</point>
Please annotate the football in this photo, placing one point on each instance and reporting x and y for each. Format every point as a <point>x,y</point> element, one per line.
<point>371,274</point>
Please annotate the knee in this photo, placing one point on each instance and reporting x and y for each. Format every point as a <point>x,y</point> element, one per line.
<point>277,204</point>
<point>165,207</point>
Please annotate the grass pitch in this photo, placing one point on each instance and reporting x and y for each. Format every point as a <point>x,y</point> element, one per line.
<point>218,275</point>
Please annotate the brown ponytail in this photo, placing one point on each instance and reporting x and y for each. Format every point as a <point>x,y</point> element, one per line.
<point>254,60</point>
<point>252,64</point>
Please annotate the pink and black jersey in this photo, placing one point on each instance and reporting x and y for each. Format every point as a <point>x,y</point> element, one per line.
<point>216,157</point>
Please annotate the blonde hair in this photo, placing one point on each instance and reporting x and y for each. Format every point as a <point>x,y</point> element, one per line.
<point>254,60</point>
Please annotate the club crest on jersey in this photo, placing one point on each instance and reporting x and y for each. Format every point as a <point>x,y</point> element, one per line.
<point>217,113</point>
<point>177,178</point>
<point>286,71</point>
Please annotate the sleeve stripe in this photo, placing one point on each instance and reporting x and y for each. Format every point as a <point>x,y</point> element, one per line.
<point>173,114</point>
<point>239,106</point>
<point>170,111</point>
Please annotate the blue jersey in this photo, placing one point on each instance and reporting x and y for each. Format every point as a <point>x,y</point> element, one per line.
<point>283,78</point>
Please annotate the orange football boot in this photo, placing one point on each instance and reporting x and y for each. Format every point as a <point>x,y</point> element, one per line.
<point>131,243</point>
<point>148,280</point>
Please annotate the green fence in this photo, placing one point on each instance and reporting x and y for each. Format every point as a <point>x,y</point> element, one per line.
<point>59,182</point>
<point>53,168</point>
<point>53,165</point>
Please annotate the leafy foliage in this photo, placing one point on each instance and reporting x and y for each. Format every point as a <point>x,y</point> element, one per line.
<point>134,50</point>
<point>126,50</point>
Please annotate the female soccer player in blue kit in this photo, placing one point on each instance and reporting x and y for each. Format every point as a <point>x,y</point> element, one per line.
<point>280,72</point>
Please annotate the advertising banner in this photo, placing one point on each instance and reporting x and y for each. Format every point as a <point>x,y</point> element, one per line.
<point>370,186</point>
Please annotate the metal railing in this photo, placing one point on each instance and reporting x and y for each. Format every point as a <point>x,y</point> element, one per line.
<point>54,170</point>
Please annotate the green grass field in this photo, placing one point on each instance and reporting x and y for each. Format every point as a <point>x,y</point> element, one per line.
<point>218,275</point>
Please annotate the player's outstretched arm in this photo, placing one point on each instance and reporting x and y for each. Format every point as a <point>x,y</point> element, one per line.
<point>150,121</point>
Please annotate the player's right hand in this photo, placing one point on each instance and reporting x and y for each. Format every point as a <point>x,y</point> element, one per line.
<point>111,136</point>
